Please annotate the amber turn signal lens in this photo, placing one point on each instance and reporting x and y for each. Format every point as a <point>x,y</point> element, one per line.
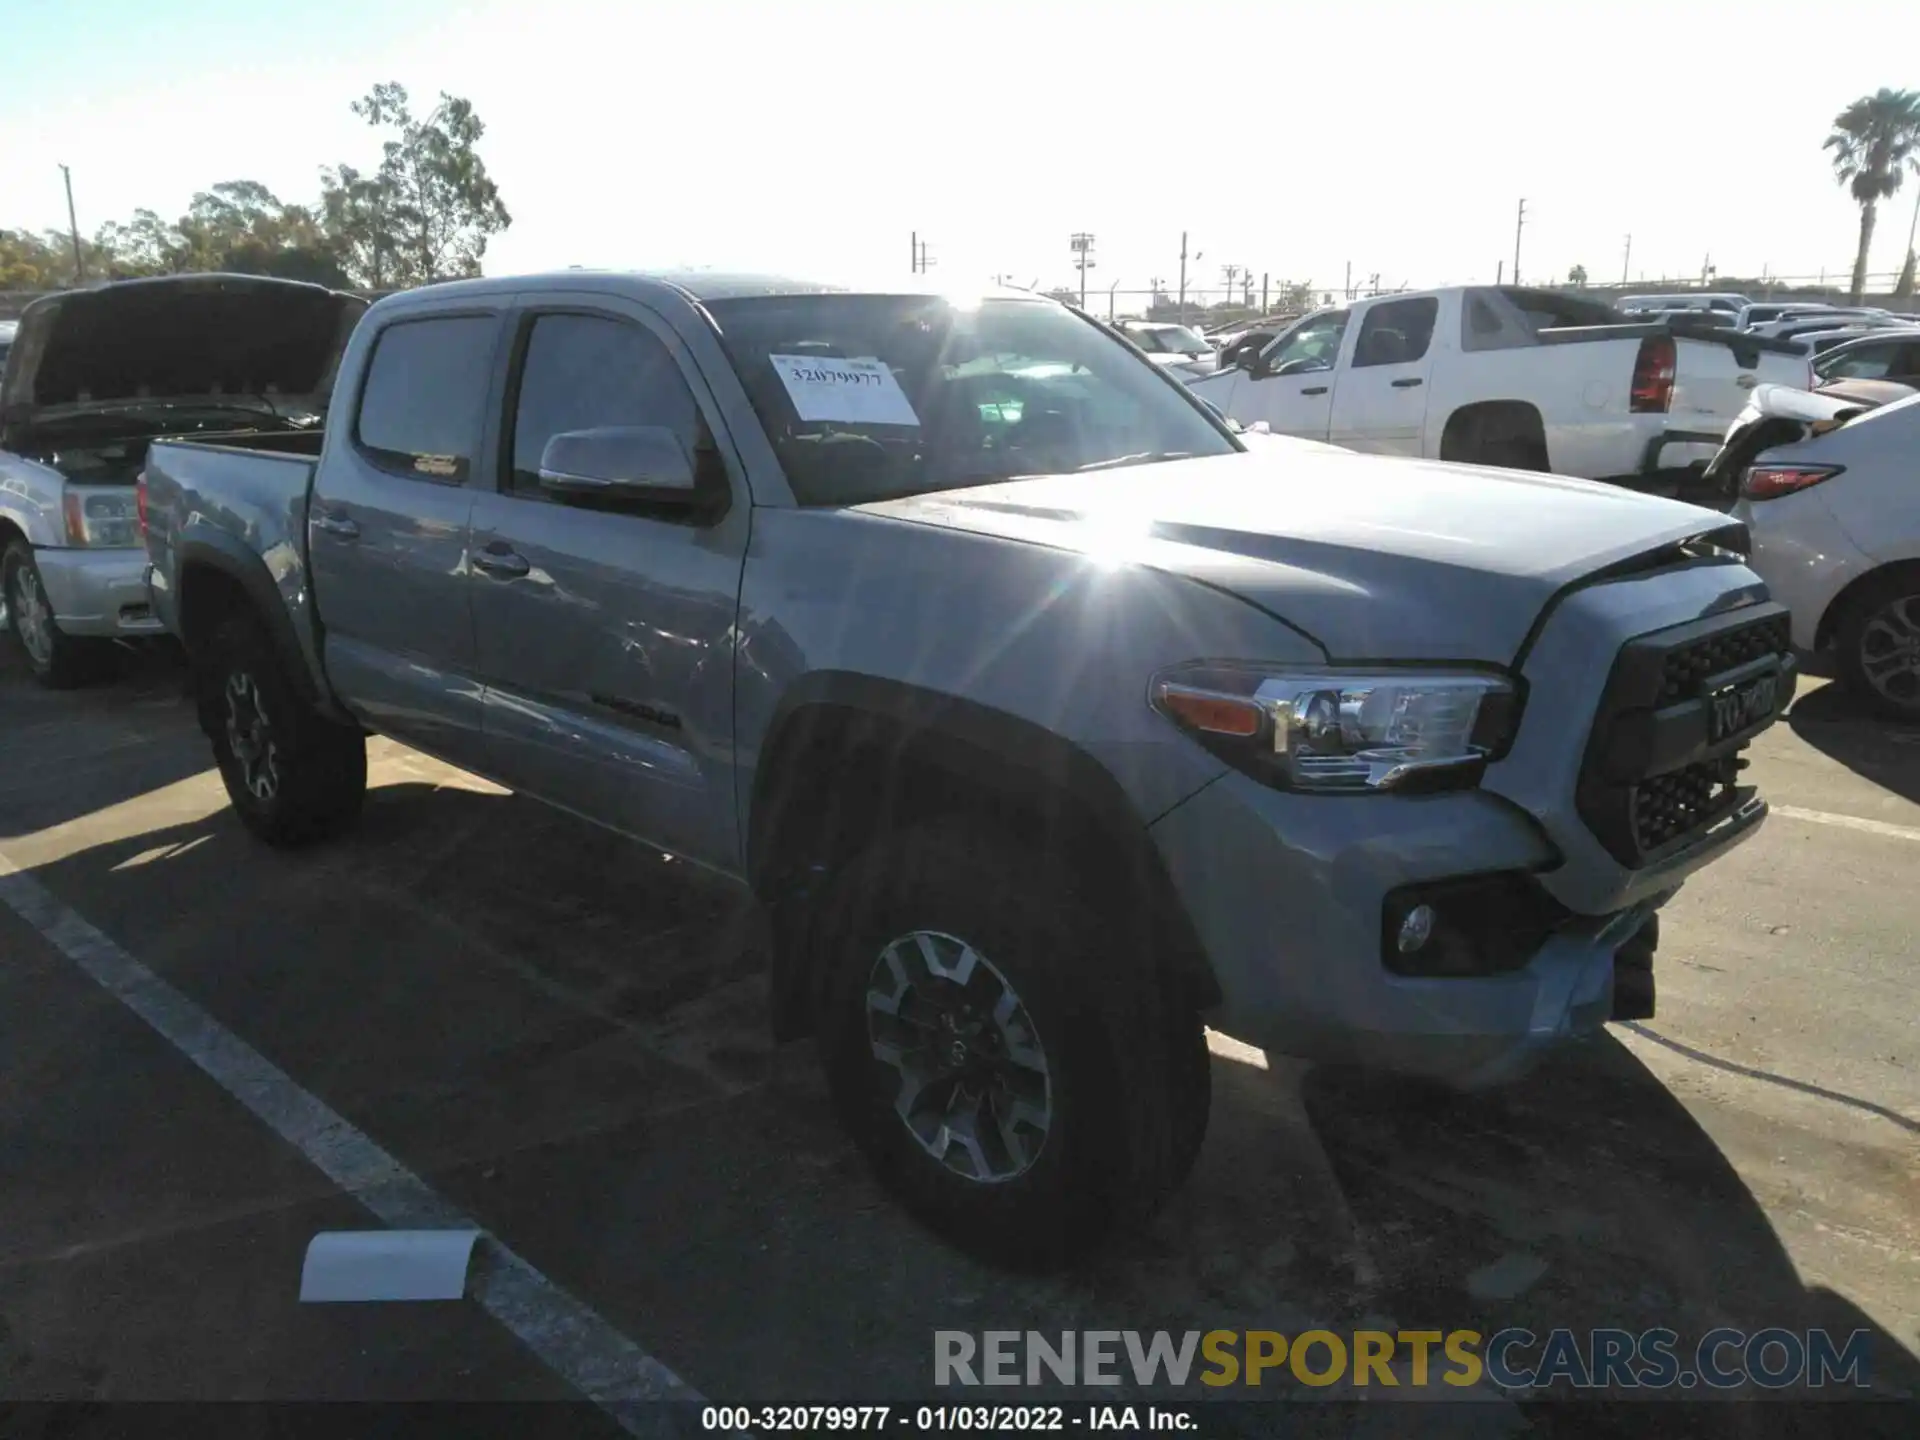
<point>1214,714</point>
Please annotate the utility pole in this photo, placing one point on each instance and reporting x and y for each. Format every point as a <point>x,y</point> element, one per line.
<point>920,260</point>
<point>73,229</point>
<point>1913,228</point>
<point>1499,272</point>
<point>1349,291</point>
<point>1232,273</point>
<point>1082,246</point>
<point>1263,292</point>
<point>1626,260</point>
<point>1183,277</point>
<point>1519,224</point>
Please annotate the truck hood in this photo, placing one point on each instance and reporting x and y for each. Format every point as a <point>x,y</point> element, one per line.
<point>1374,558</point>
<point>175,338</point>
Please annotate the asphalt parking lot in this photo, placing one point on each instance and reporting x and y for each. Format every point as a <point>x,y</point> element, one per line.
<point>561,1035</point>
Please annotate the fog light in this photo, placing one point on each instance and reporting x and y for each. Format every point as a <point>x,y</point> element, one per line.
<point>1415,930</point>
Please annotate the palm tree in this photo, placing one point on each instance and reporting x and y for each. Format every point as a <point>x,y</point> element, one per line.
<point>1872,142</point>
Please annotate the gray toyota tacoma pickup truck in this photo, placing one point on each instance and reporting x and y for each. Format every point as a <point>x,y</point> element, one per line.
<point>1050,723</point>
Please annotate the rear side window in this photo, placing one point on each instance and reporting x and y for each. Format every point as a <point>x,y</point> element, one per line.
<point>1396,333</point>
<point>420,408</point>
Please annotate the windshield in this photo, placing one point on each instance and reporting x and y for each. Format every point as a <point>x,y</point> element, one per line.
<point>869,397</point>
<point>1169,340</point>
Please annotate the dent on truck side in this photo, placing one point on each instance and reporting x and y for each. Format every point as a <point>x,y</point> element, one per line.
<point>236,518</point>
<point>1019,670</point>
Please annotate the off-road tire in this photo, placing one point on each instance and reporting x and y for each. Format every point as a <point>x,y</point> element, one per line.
<point>320,766</point>
<point>69,660</point>
<point>1129,1102</point>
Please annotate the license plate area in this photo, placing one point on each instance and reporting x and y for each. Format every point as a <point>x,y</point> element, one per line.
<point>1742,700</point>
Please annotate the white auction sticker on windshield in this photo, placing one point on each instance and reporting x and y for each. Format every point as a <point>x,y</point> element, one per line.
<point>854,392</point>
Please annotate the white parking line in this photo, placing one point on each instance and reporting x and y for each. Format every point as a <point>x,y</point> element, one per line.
<point>1848,822</point>
<point>568,1336</point>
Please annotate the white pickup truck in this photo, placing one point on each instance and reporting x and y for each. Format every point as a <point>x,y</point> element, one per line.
<point>1507,376</point>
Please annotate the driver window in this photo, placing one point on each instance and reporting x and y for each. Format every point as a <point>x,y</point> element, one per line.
<point>1312,347</point>
<point>585,371</point>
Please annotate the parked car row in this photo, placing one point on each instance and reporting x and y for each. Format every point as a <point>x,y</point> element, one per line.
<point>1761,317</point>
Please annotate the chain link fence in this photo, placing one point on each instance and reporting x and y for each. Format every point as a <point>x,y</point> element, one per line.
<point>1269,296</point>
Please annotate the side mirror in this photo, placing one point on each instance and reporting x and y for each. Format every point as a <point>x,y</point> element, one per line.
<point>1219,414</point>
<point>643,464</point>
<point>1254,362</point>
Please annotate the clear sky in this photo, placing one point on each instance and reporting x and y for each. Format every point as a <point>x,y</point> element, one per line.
<point>765,133</point>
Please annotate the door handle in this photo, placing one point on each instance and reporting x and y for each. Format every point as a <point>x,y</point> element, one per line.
<point>337,525</point>
<point>1406,384</point>
<point>500,562</point>
<point>1314,390</point>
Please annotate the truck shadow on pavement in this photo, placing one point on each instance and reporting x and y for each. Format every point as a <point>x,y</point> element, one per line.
<point>1887,752</point>
<point>565,1033</point>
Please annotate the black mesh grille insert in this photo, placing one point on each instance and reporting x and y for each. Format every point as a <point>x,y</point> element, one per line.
<point>1685,668</point>
<point>1665,807</point>
<point>1659,770</point>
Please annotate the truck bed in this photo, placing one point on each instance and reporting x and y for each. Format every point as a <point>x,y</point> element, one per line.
<point>260,482</point>
<point>1746,348</point>
<point>244,495</point>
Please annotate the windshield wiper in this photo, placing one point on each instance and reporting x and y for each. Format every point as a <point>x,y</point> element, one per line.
<point>1145,457</point>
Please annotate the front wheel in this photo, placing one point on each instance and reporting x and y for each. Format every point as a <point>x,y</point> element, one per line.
<point>293,775</point>
<point>995,1050</point>
<point>1878,646</point>
<point>56,659</point>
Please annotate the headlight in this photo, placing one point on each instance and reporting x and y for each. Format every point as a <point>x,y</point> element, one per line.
<point>1343,731</point>
<point>102,519</point>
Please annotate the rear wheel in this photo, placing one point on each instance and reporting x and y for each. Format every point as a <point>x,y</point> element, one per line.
<point>293,775</point>
<point>1878,645</point>
<point>56,659</point>
<point>996,1051</point>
